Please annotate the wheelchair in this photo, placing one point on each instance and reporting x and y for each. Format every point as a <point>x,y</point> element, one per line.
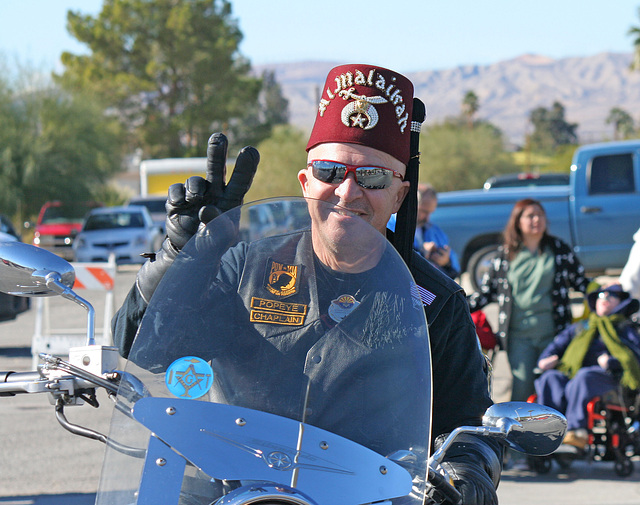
<point>614,435</point>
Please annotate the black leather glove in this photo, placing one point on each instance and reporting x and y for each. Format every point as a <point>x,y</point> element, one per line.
<point>474,466</point>
<point>195,203</point>
<point>615,369</point>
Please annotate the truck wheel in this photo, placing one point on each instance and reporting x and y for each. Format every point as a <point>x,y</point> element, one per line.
<point>480,263</point>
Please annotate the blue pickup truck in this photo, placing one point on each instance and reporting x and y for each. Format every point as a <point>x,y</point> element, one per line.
<point>597,213</point>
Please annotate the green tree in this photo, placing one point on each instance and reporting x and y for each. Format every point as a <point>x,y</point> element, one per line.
<point>52,146</point>
<point>170,70</point>
<point>560,161</point>
<point>272,109</point>
<point>455,158</point>
<point>622,121</point>
<point>282,155</point>
<point>470,107</point>
<point>551,128</point>
<point>634,32</point>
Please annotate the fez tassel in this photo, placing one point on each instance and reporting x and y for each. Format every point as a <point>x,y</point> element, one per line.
<point>407,215</point>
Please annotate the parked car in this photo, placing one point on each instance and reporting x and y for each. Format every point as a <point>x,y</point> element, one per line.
<point>10,306</point>
<point>7,232</point>
<point>57,225</point>
<point>126,232</point>
<point>155,206</point>
<point>526,179</point>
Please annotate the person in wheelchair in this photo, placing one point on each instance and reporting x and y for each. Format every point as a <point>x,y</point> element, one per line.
<point>590,358</point>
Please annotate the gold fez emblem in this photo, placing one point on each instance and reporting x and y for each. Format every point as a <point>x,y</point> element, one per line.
<point>282,280</point>
<point>361,111</point>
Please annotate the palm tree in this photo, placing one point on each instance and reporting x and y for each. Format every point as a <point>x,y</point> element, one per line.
<point>622,123</point>
<point>634,31</point>
<point>470,106</point>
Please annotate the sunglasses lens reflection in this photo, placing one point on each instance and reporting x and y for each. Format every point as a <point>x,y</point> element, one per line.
<point>366,177</point>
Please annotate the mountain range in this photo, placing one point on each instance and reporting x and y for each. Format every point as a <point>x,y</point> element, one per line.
<point>588,88</point>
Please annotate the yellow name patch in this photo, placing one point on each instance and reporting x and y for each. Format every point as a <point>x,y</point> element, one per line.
<point>277,312</point>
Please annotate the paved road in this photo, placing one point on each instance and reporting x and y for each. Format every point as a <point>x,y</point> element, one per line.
<point>42,464</point>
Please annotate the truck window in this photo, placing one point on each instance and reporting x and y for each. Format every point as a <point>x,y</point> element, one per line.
<point>114,220</point>
<point>612,174</point>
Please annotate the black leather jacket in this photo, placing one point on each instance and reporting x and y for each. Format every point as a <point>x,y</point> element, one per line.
<point>459,385</point>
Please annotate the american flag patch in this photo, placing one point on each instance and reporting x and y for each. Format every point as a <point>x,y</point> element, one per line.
<point>421,295</point>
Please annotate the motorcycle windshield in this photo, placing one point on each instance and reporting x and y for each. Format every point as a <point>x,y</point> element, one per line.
<point>287,344</point>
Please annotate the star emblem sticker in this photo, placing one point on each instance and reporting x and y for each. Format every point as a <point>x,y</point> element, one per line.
<point>279,460</point>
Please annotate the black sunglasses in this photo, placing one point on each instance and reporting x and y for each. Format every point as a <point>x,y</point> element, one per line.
<point>605,295</point>
<point>366,176</point>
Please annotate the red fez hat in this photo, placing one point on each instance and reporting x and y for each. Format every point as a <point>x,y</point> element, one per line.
<point>366,105</point>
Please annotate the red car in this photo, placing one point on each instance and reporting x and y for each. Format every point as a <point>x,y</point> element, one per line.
<point>58,224</point>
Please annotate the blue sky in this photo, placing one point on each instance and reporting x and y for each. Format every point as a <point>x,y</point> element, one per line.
<point>400,34</point>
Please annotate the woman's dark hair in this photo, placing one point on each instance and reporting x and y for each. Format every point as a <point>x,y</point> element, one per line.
<point>512,235</point>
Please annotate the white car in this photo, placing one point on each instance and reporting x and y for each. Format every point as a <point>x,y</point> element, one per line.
<point>155,206</point>
<point>7,231</point>
<point>6,237</point>
<point>126,232</point>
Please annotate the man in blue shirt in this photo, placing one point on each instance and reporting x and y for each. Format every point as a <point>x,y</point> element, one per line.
<point>430,240</point>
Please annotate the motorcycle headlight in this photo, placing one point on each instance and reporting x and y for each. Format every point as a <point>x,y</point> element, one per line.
<point>265,493</point>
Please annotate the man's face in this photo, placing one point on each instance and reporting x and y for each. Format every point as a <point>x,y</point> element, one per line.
<point>375,206</point>
<point>425,209</point>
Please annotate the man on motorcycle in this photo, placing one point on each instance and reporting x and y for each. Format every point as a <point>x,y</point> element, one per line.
<point>358,158</point>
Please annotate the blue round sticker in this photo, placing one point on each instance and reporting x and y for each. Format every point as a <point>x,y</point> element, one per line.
<point>189,377</point>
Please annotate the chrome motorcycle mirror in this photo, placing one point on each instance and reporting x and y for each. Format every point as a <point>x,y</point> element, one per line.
<point>529,427</point>
<point>526,427</point>
<point>27,270</point>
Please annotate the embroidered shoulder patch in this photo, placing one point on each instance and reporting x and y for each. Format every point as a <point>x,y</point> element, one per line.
<point>281,279</point>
